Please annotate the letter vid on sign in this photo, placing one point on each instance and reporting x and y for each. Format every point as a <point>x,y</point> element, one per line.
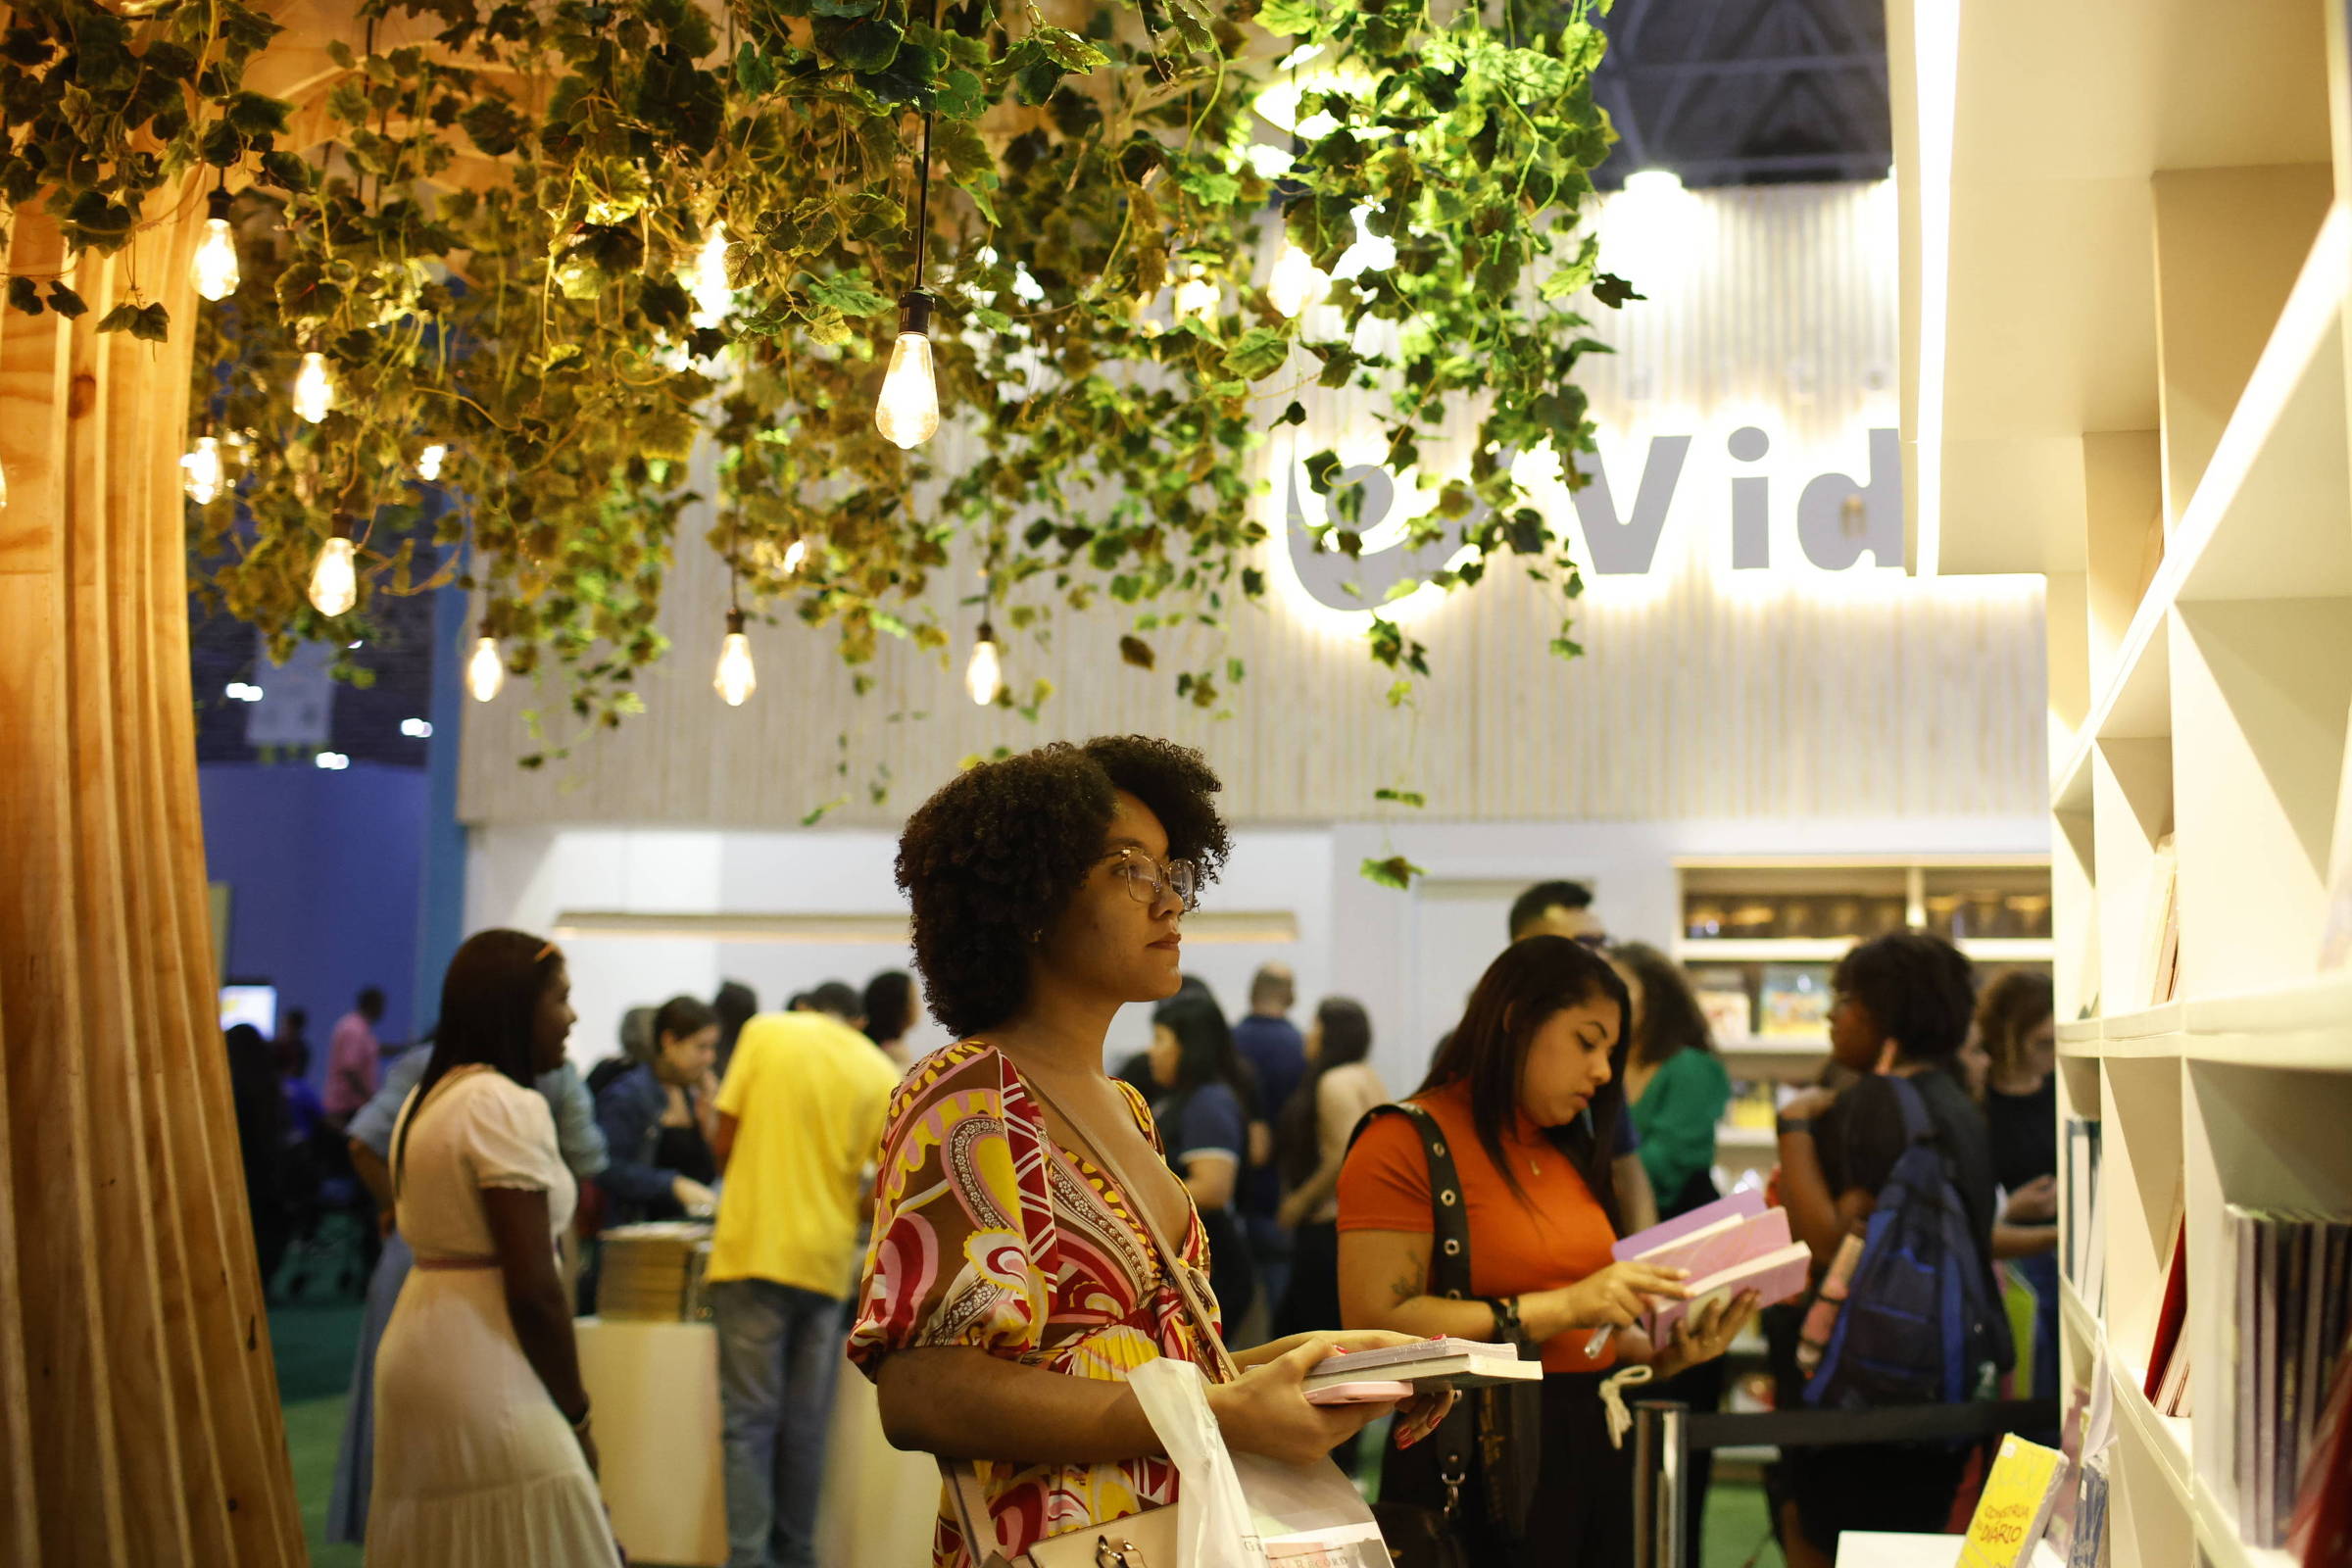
<point>1638,494</point>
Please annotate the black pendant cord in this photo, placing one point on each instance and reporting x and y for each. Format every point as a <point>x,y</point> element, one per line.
<point>734,569</point>
<point>923,186</point>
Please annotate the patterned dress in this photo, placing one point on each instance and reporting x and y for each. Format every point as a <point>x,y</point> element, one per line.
<point>989,1235</point>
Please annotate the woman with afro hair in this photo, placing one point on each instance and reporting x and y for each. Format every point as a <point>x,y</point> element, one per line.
<point>1011,1285</point>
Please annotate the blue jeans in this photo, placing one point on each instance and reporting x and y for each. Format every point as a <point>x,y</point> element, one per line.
<point>778,1351</point>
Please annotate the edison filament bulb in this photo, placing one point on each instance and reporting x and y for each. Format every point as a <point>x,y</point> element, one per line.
<point>335,579</point>
<point>313,388</point>
<point>735,680</point>
<point>984,676</point>
<point>213,266</point>
<point>199,470</point>
<point>486,670</point>
<point>908,412</point>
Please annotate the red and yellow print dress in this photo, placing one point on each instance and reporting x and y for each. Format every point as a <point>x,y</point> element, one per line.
<point>989,1235</point>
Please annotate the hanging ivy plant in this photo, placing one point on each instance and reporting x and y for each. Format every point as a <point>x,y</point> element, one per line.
<point>496,236</point>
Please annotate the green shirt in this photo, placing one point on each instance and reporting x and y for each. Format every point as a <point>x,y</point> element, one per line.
<point>1677,1115</point>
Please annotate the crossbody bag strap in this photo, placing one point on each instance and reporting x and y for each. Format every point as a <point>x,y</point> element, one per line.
<point>972,1517</point>
<point>1171,1263</point>
<point>1449,1214</point>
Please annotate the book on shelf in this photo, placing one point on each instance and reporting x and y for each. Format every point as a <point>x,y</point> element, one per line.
<point>1794,1002</point>
<point>2160,939</point>
<point>2166,1380</point>
<point>2291,1300</point>
<point>1735,1244</point>
<point>2082,1182</point>
<point>1729,1010</point>
<point>2089,1546</point>
<point>2014,1508</point>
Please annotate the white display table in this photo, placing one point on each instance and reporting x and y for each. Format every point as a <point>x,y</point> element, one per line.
<point>658,1424</point>
<point>1872,1549</point>
<point>655,1388</point>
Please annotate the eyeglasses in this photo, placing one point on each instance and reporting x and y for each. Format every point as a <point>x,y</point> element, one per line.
<point>1147,881</point>
<point>1592,941</point>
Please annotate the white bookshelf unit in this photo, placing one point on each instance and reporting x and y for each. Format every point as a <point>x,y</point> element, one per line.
<point>1766,916</point>
<point>2128,241</point>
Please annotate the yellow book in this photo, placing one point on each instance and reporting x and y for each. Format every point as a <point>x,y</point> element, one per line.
<point>2015,1507</point>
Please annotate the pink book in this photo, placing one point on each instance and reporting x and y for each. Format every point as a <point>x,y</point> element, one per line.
<point>1733,1244</point>
<point>1745,1202</point>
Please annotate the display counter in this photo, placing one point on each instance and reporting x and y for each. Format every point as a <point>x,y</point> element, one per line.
<point>655,1387</point>
<point>654,1390</point>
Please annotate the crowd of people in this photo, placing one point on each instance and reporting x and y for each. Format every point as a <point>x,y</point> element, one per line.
<point>1002,1231</point>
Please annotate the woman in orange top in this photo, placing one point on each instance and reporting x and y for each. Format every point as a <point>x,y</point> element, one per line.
<point>1526,1099</point>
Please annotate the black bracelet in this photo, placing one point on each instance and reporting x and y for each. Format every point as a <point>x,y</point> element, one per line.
<point>1507,1330</point>
<point>1786,1125</point>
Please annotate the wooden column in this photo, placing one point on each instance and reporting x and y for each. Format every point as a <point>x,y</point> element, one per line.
<point>138,1404</point>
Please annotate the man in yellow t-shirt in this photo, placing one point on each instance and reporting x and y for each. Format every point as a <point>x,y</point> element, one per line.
<point>800,1119</point>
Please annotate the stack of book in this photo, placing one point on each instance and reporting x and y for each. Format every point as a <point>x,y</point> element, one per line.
<point>2283,1341</point>
<point>2085,1258</point>
<point>654,1272</point>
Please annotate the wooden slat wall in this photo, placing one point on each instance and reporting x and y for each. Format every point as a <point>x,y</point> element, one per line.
<point>1700,696</point>
<point>138,1407</point>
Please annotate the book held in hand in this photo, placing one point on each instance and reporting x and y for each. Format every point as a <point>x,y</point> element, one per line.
<point>1464,1363</point>
<point>1733,1244</point>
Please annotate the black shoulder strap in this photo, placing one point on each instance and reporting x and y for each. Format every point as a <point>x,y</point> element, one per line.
<point>1450,1221</point>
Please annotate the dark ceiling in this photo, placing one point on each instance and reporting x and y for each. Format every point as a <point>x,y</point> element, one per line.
<point>1747,92</point>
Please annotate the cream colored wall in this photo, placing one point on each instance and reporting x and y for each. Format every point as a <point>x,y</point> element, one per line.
<point>1788,693</point>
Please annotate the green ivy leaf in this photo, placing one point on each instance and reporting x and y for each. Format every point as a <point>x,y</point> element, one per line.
<point>1393,872</point>
<point>1613,291</point>
<point>1411,798</point>
<point>1137,651</point>
<point>1257,354</point>
<point>23,294</point>
<point>64,301</point>
<point>960,96</point>
<point>121,319</point>
<point>1069,51</point>
<point>847,293</point>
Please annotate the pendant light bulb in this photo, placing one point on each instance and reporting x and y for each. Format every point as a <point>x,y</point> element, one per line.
<point>486,670</point>
<point>795,556</point>
<point>1296,282</point>
<point>707,282</point>
<point>313,388</point>
<point>984,676</point>
<point>908,412</point>
<point>213,266</point>
<point>335,579</point>
<point>200,474</point>
<point>429,461</point>
<point>735,680</point>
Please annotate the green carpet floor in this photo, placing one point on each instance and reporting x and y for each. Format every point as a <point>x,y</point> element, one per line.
<point>314,1346</point>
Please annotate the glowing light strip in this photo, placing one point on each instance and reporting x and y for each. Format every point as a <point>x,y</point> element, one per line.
<point>1211,926</point>
<point>1936,72</point>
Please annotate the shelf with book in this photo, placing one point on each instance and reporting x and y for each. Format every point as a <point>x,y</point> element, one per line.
<point>2218,1537</point>
<point>2166,1436</point>
<point>2164,435</point>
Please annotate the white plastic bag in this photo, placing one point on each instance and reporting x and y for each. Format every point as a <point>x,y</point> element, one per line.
<point>1214,1528</point>
<point>1244,1510</point>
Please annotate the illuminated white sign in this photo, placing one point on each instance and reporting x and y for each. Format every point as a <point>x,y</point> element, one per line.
<point>1837,519</point>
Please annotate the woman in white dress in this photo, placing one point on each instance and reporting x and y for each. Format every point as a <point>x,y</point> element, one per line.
<point>482,1453</point>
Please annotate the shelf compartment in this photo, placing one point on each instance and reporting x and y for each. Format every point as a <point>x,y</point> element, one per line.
<point>2217,1534</point>
<point>2266,687</point>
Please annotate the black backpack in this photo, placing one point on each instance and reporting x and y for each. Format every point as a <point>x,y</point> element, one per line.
<point>1919,1324</point>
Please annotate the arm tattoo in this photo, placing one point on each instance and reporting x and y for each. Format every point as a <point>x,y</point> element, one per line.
<point>1414,1280</point>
